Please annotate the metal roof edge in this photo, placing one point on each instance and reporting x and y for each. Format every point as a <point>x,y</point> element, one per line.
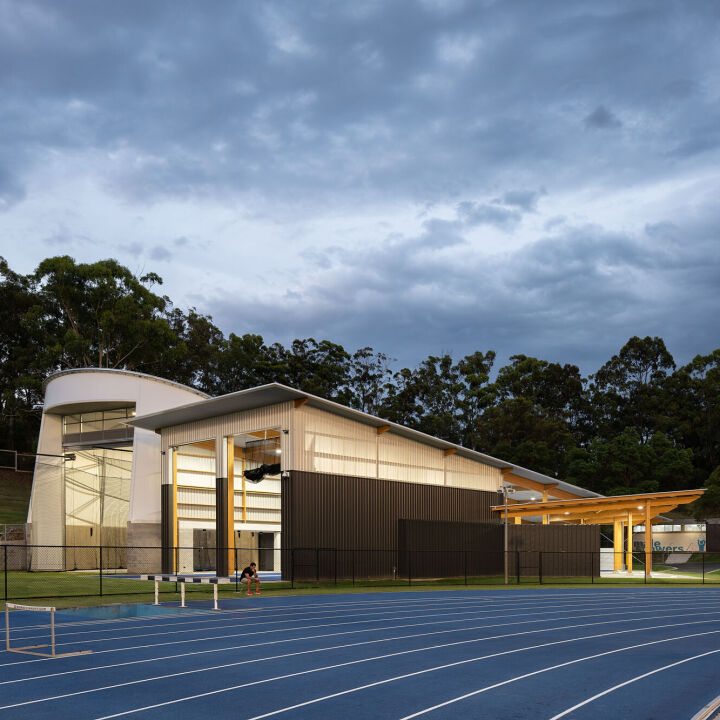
<point>133,373</point>
<point>547,480</point>
<point>153,421</point>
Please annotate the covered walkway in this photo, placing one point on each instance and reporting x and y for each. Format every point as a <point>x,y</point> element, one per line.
<point>622,511</point>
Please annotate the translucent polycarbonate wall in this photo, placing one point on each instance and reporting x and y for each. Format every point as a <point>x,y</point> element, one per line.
<point>97,500</point>
<point>327,443</point>
<point>255,502</point>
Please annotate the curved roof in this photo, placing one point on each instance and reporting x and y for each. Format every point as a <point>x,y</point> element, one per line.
<point>132,373</point>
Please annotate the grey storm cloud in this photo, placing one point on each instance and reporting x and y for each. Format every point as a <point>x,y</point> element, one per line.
<point>308,97</point>
<point>575,293</point>
<point>160,253</point>
<point>602,118</point>
<point>348,170</point>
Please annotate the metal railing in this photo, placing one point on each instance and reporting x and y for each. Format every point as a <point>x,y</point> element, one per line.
<point>17,461</point>
<point>35,571</point>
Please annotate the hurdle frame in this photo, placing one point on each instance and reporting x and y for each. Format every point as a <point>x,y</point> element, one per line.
<point>182,580</point>
<point>34,649</point>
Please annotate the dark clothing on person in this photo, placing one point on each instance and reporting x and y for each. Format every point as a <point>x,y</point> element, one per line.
<point>249,572</point>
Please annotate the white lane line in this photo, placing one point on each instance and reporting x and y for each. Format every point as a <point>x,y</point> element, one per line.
<point>185,623</point>
<point>183,629</point>
<point>391,679</point>
<point>631,681</point>
<point>536,617</point>
<point>527,675</point>
<point>444,631</point>
<point>351,662</point>
<point>248,613</point>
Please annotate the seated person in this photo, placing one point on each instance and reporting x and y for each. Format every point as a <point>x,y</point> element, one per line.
<point>249,575</point>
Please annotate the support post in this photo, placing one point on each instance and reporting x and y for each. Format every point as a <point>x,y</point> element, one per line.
<point>5,596</point>
<point>224,506</point>
<point>617,545</point>
<point>505,545</point>
<point>629,548</point>
<point>545,518</point>
<point>648,541</point>
<point>168,512</point>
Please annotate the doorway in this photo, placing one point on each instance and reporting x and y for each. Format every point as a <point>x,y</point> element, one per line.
<point>266,550</point>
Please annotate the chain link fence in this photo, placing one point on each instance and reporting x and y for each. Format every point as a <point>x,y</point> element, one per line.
<point>35,571</point>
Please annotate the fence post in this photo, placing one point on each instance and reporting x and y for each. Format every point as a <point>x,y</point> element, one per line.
<point>409,568</point>
<point>353,566</point>
<point>292,568</point>
<point>336,566</point>
<point>5,567</point>
<point>317,566</point>
<point>465,564</point>
<point>100,564</point>
<point>236,568</point>
<point>703,567</point>
<point>540,566</point>
<point>592,568</point>
<point>517,566</point>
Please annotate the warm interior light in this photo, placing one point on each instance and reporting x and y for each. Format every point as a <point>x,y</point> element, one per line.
<point>640,507</point>
<point>533,499</point>
<point>567,512</point>
<point>278,451</point>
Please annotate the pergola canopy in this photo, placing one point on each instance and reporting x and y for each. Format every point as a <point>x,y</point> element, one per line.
<point>603,510</point>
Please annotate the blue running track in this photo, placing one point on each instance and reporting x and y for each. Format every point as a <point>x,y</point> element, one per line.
<point>539,653</point>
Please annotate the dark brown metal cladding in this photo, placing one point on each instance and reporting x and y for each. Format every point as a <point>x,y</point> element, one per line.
<point>324,517</point>
<point>338,511</point>
<point>713,535</point>
<point>167,529</point>
<point>428,548</point>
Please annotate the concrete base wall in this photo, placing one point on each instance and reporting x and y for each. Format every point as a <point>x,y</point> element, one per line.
<point>143,549</point>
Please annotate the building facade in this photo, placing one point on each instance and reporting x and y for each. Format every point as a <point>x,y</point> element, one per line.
<point>127,461</point>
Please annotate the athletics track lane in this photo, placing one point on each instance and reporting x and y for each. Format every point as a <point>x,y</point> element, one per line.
<point>318,646</point>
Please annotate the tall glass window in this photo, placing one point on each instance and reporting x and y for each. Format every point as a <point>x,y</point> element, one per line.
<point>97,501</point>
<point>98,426</point>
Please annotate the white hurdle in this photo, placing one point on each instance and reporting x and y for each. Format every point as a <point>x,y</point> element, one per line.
<point>33,649</point>
<point>183,580</point>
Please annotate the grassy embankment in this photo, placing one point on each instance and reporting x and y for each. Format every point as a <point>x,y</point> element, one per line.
<point>14,497</point>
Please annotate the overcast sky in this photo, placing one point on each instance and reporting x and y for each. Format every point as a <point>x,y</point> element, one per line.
<point>422,177</point>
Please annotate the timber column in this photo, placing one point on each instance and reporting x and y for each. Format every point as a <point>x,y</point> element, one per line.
<point>648,540</point>
<point>225,506</point>
<point>168,512</point>
<point>617,545</point>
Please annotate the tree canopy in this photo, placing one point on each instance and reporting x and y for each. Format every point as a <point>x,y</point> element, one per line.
<point>640,423</point>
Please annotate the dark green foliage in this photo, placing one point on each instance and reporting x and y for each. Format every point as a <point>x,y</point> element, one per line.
<point>709,504</point>
<point>638,424</point>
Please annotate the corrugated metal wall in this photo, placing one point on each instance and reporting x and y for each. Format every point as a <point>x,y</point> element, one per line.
<point>712,535</point>
<point>337,512</point>
<point>272,416</point>
<point>451,549</point>
<point>327,443</point>
<point>462,472</point>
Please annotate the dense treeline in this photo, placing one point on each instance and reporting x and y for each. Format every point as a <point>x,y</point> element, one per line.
<point>638,424</point>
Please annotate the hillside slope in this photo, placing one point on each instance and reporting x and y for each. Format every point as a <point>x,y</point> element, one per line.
<point>14,496</point>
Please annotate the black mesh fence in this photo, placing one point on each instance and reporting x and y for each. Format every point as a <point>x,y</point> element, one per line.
<point>33,571</point>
